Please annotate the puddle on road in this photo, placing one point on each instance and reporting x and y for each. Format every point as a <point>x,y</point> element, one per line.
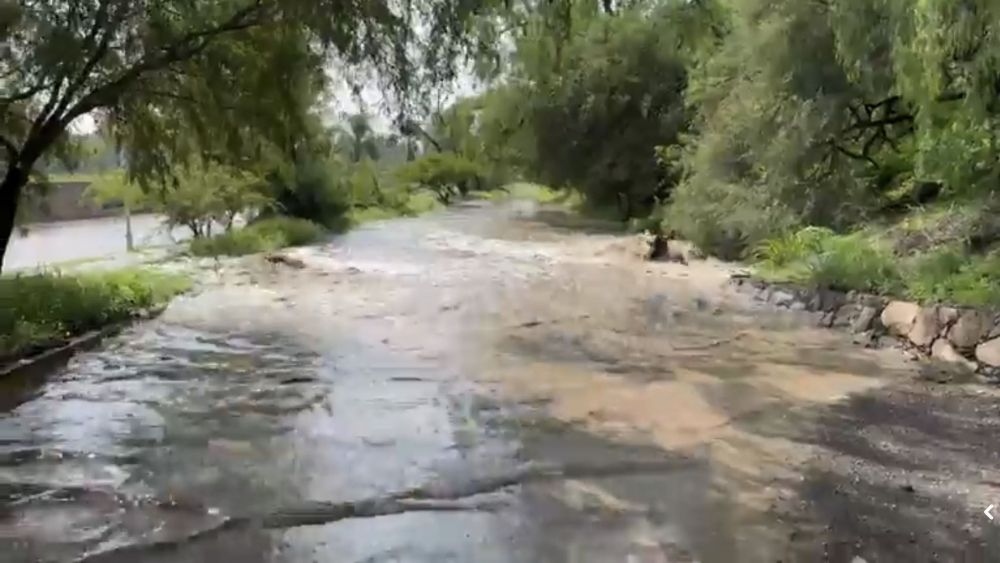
<point>446,349</point>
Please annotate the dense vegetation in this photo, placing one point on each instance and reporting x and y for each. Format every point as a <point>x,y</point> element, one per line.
<point>38,311</point>
<point>847,143</point>
<point>178,83</point>
<point>747,126</point>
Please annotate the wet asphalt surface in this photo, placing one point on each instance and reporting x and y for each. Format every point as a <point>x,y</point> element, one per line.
<point>675,419</point>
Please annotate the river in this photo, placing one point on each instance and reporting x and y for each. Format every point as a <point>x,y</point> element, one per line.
<point>547,396</point>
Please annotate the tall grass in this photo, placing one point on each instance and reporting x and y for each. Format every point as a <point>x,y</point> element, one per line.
<point>42,309</point>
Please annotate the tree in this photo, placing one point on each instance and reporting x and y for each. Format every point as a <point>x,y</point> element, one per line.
<point>161,72</point>
<point>590,93</point>
<point>199,195</point>
<point>446,173</point>
<point>824,112</point>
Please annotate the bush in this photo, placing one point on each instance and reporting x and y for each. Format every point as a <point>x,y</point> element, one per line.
<point>818,257</point>
<point>950,276</point>
<point>40,310</point>
<point>446,174</point>
<point>313,189</point>
<point>781,251</point>
<point>263,236</point>
<point>852,262</point>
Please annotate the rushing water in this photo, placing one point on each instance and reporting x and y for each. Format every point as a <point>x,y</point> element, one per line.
<point>438,353</point>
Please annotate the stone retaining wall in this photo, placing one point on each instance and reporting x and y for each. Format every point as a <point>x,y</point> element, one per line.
<point>965,337</point>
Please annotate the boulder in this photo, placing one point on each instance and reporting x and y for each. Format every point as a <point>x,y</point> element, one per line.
<point>944,351</point>
<point>782,298</point>
<point>825,300</point>
<point>864,320</point>
<point>989,353</point>
<point>947,316</point>
<point>898,317</point>
<point>970,328</point>
<point>926,327</point>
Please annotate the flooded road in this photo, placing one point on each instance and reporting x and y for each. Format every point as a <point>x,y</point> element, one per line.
<point>507,386</point>
<point>48,244</point>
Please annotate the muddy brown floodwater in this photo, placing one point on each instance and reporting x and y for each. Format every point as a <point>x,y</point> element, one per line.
<point>571,402</point>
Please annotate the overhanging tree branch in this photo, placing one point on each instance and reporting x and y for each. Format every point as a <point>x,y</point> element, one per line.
<point>185,48</point>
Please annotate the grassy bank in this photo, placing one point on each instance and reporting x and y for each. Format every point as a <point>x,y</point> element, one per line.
<point>43,310</point>
<point>937,255</point>
<point>279,232</point>
<point>263,236</point>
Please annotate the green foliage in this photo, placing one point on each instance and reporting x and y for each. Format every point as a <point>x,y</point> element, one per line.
<point>931,274</point>
<point>948,275</point>
<point>817,256</point>
<point>598,100</point>
<point>176,81</point>
<point>791,247</point>
<point>852,262</point>
<point>262,236</point>
<point>447,174</point>
<point>312,188</point>
<point>194,196</point>
<point>44,309</point>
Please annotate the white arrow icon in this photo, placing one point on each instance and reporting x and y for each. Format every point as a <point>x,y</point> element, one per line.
<point>989,512</point>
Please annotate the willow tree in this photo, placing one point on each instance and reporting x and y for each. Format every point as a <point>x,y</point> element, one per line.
<point>176,78</point>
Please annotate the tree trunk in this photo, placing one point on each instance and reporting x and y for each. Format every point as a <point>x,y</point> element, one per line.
<point>129,246</point>
<point>10,195</point>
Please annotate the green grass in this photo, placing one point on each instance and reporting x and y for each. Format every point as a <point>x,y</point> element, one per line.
<point>865,261</point>
<point>263,236</point>
<point>41,310</point>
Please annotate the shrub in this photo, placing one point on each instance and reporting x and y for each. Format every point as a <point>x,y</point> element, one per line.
<point>931,274</point>
<point>949,276</point>
<point>446,174</point>
<point>792,247</point>
<point>852,262</point>
<point>263,236</point>
<point>817,256</point>
<point>39,310</point>
<point>314,189</point>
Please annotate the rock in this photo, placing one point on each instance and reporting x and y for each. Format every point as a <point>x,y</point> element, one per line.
<point>864,320</point>
<point>782,298</point>
<point>926,327</point>
<point>947,316</point>
<point>827,319</point>
<point>898,317</point>
<point>286,260</point>
<point>970,328</point>
<point>797,306</point>
<point>825,300</point>
<point>943,350</point>
<point>989,353</point>
<point>674,250</point>
<point>867,339</point>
